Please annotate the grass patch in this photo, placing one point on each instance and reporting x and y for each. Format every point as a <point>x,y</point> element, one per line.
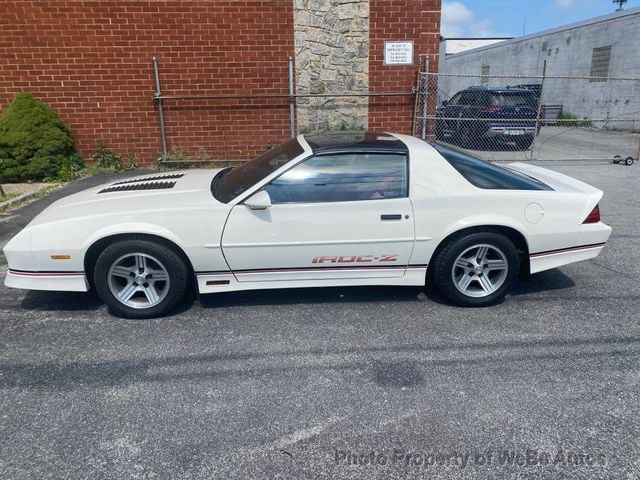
<point>40,193</point>
<point>49,188</point>
<point>8,196</point>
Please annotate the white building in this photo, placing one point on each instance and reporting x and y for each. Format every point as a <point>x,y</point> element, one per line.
<point>607,47</point>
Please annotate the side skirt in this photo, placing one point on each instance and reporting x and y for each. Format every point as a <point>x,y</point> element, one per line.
<point>215,282</point>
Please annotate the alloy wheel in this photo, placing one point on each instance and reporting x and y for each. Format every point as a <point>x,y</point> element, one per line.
<point>138,280</point>
<point>480,270</point>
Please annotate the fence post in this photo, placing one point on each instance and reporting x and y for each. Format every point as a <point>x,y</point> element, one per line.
<point>292,102</point>
<point>157,97</point>
<point>540,105</point>
<point>425,100</point>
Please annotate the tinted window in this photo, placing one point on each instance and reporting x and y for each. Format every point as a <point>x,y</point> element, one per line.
<point>513,100</point>
<point>487,175</point>
<point>228,184</point>
<point>455,99</point>
<point>341,178</point>
<point>468,98</point>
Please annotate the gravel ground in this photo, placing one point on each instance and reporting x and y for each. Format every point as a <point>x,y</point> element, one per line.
<point>336,383</point>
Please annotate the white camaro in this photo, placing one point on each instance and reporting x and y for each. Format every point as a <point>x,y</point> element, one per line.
<point>317,211</point>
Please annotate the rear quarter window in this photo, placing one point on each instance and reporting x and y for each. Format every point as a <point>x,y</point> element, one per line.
<point>487,175</point>
<point>513,99</point>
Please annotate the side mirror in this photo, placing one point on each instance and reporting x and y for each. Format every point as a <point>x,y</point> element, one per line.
<point>259,201</point>
<point>445,102</point>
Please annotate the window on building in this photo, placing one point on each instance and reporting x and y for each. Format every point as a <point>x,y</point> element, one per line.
<point>600,60</point>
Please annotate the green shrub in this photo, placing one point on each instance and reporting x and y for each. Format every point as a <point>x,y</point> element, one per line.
<point>35,144</point>
<point>567,119</point>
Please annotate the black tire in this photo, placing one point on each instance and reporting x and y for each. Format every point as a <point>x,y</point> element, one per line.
<point>467,138</point>
<point>443,269</point>
<point>524,143</point>
<point>159,260</point>
<point>628,161</point>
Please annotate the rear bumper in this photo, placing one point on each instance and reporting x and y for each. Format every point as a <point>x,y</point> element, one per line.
<point>53,281</point>
<point>510,132</point>
<point>592,241</point>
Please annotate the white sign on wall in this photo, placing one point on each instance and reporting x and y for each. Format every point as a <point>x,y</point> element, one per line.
<point>398,53</point>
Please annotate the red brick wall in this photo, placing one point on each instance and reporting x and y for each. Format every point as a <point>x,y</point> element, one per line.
<point>389,20</point>
<point>91,61</point>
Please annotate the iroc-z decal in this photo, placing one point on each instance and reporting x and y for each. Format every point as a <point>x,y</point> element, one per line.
<point>356,259</point>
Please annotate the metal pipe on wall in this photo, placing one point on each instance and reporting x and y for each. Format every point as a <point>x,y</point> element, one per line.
<point>157,97</point>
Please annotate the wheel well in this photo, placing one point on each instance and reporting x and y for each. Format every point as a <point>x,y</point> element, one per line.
<point>511,233</point>
<point>94,251</point>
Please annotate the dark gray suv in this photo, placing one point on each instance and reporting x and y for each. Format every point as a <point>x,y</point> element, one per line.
<point>478,116</point>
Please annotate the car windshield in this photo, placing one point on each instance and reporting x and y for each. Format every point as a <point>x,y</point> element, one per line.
<point>513,99</point>
<point>230,183</point>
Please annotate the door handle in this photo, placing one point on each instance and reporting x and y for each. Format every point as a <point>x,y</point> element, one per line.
<point>395,216</point>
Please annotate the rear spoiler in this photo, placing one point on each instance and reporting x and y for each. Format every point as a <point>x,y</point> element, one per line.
<point>560,183</point>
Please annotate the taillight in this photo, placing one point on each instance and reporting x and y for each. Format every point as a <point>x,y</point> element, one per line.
<point>594,216</point>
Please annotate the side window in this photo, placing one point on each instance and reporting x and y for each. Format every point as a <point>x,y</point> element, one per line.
<point>468,98</point>
<point>480,99</point>
<point>343,177</point>
<point>455,99</point>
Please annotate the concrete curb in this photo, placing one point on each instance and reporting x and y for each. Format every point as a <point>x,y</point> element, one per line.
<point>16,200</point>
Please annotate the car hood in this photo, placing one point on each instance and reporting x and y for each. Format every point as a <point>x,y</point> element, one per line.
<point>159,191</point>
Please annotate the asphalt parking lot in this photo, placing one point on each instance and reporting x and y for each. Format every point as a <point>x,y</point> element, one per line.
<point>567,143</point>
<point>337,383</point>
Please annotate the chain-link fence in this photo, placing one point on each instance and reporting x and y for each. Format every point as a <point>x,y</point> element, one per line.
<point>507,118</point>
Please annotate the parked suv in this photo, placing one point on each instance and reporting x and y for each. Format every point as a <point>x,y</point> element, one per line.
<point>477,115</point>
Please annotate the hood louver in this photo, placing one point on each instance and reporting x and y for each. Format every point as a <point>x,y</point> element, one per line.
<point>167,176</point>
<point>157,182</point>
<point>138,186</point>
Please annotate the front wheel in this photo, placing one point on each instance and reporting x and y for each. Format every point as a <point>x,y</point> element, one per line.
<point>140,278</point>
<point>468,139</point>
<point>476,270</point>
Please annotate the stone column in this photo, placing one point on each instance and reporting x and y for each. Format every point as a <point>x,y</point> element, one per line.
<point>332,57</point>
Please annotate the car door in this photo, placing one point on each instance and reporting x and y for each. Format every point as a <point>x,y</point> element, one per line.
<point>450,113</point>
<point>333,216</point>
<point>466,104</point>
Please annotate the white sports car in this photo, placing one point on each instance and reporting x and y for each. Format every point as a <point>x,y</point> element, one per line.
<point>317,211</point>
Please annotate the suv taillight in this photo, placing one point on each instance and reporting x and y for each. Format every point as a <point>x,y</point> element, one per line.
<point>594,216</point>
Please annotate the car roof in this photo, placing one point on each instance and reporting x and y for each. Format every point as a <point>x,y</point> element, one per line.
<point>355,142</point>
<point>502,90</point>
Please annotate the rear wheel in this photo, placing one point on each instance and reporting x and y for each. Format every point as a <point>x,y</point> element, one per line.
<point>140,278</point>
<point>525,142</point>
<point>439,130</point>
<point>476,270</point>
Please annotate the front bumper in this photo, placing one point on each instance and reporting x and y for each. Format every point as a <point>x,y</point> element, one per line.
<point>53,281</point>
